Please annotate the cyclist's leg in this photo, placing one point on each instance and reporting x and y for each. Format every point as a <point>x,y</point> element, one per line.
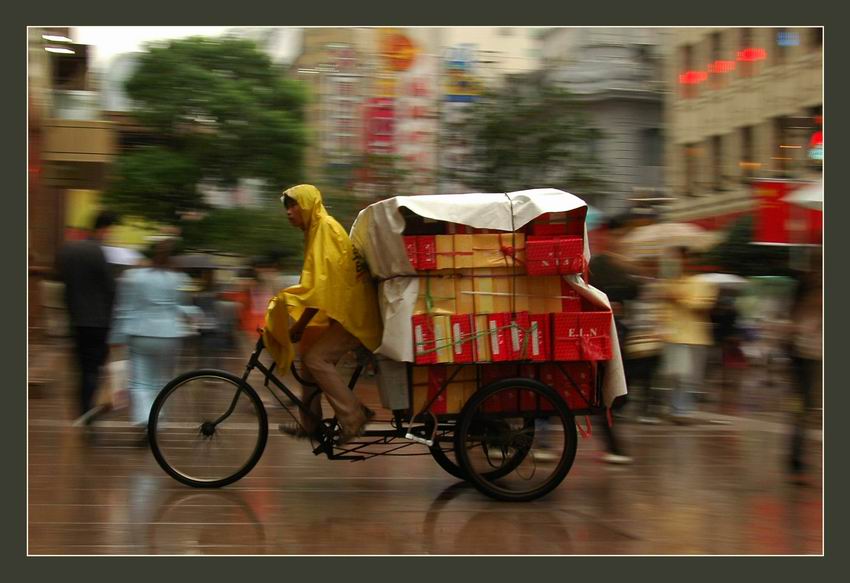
<point>321,362</point>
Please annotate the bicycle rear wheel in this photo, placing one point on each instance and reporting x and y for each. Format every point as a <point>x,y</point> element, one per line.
<point>207,428</point>
<point>516,440</point>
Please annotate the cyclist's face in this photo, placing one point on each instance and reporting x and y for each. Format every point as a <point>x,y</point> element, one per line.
<point>293,213</point>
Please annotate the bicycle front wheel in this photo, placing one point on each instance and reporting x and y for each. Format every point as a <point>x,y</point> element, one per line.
<point>207,428</point>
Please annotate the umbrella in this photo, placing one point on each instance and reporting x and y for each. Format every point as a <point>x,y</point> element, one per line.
<point>195,261</point>
<point>722,279</point>
<point>809,196</point>
<point>653,239</point>
<point>121,255</point>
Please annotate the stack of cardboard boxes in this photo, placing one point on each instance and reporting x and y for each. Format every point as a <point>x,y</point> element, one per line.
<point>496,297</point>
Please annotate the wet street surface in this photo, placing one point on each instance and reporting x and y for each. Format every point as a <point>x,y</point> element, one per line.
<point>709,488</point>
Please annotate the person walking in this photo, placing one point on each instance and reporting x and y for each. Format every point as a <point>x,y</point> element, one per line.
<point>89,298</point>
<point>152,317</point>
<point>614,274</point>
<point>687,335</point>
<point>806,351</point>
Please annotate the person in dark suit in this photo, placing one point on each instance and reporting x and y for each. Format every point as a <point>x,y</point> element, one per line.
<point>89,297</point>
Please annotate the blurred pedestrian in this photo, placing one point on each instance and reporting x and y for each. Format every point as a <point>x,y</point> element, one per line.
<point>152,317</point>
<point>643,345</point>
<point>727,335</point>
<point>806,352</point>
<point>687,334</point>
<point>211,333</point>
<point>89,297</point>
<point>613,273</point>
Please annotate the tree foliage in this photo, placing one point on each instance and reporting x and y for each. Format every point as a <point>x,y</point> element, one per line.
<point>218,110</point>
<point>528,134</point>
<point>246,232</point>
<point>736,254</point>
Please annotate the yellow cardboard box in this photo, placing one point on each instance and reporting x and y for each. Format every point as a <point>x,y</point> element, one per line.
<point>443,339</point>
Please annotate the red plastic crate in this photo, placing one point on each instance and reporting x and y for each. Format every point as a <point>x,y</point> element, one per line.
<point>596,335</point>
<point>509,400</point>
<point>518,336</point>
<point>541,256</point>
<point>581,336</point>
<point>575,387</point>
<point>570,300</point>
<point>539,344</point>
<point>570,255</point>
<point>566,344</point>
<point>500,337</point>
<point>436,379</point>
<point>463,349</point>
<point>426,252</point>
<point>423,340</point>
<point>412,255</point>
<point>549,229</point>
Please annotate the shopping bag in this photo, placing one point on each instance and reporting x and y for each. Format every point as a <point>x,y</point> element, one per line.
<point>116,382</point>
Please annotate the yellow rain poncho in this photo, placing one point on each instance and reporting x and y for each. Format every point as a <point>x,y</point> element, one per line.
<point>334,280</point>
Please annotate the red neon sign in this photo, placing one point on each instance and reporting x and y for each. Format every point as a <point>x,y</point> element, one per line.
<point>721,67</point>
<point>692,77</point>
<point>751,55</point>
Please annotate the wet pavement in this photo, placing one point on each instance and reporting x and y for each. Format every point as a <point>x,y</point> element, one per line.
<point>703,489</point>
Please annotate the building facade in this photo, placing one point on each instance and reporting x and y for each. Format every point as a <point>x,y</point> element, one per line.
<point>70,148</point>
<point>744,103</point>
<point>617,74</point>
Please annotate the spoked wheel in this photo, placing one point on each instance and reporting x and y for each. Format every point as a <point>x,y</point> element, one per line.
<point>207,428</point>
<point>516,440</point>
<point>443,452</point>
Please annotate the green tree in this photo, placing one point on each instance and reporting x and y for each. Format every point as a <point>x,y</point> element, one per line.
<point>219,111</point>
<point>246,232</point>
<point>527,134</point>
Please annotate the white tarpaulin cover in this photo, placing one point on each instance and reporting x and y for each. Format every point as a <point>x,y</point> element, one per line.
<point>377,235</point>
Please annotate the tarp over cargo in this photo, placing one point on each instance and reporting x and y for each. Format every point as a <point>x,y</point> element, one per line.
<point>377,233</point>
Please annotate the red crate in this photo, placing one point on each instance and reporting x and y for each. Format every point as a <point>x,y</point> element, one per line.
<point>463,348</point>
<point>596,335</point>
<point>509,400</point>
<point>549,229</point>
<point>566,343</point>
<point>518,336</point>
<point>436,379</point>
<point>423,340</point>
<point>426,252</point>
<point>581,336</point>
<point>500,336</point>
<point>575,387</point>
<point>570,300</point>
<point>541,256</point>
<point>539,344</point>
<point>410,247</point>
<point>570,255</point>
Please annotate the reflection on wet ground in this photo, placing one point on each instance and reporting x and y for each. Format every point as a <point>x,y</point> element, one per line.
<point>703,489</point>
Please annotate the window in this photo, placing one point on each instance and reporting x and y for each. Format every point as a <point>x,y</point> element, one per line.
<point>717,162</point>
<point>781,156</point>
<point>651,147</point>
<point>747,163</point>
<point>690,154</point>
<point>687,57</point>
<point>718,72</point>
<point>745,42</point>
